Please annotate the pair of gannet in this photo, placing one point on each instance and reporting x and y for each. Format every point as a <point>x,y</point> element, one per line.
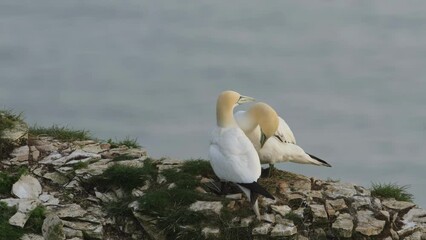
<point>236,146</point>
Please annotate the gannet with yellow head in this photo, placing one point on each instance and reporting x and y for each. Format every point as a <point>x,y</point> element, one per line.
<point>232,155</point>
<point>258,123</point>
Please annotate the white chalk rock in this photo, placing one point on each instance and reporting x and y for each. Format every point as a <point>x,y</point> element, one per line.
<point>27,187</point>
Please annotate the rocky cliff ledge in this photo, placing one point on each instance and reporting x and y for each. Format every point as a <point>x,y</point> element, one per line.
<point>93,190</point>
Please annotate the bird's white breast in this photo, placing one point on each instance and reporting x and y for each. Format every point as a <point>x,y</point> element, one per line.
<point>233,157</point>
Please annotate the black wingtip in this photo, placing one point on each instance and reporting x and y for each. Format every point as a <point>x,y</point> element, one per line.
<point>320,160</point>
<point>255,187</point>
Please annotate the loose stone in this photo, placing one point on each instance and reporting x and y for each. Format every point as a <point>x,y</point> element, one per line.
<point>368,225</point>
<point>206,206</point>
<point>344,225</point>
<point>27,187</point>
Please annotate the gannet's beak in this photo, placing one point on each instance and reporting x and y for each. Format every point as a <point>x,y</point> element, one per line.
<point>263,139</point>
<point>245,99</point>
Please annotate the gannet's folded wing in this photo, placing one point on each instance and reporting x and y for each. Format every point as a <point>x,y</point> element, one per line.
<point>285,133</point>
<point>233,157</point>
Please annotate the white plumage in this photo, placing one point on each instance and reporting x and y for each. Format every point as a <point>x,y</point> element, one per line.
<point>280,148</point>
<point>232,155</point>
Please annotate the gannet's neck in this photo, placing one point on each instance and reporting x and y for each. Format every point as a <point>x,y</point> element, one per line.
<point>226,102</point>
<point>224,113</point>
<point>265,116</point>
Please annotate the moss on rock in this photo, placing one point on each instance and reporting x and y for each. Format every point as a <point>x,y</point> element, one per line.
<point>13,132</point>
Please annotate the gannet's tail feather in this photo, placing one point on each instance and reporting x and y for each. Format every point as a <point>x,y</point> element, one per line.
<point>254,187</point>
<point>322,162</point>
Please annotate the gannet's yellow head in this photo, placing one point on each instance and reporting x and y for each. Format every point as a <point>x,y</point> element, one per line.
<point>226,102</point>
<point>267,119</point>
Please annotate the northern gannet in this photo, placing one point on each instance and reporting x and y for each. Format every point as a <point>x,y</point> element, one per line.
<point>232,155</point>
<point>280,148</point>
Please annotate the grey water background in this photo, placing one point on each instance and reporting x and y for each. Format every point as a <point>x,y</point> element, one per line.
<point>348,76</point>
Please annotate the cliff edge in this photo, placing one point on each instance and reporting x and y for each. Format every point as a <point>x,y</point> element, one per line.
<point>89,189</point>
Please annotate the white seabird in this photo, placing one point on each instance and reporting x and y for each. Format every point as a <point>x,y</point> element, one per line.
<point>232,155</point>
<point>280,148</point>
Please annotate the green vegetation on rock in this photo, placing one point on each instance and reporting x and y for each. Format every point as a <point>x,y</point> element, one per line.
<point>7,121</point>
<point>10,232</point>
<point>80,165</point>
<point>164,201</point>
<point>233,231</point>
<point>172,224</point>
<point>120,208</point>
<point>297,220</point>
<point>198,167</point>
<point>35,222</point>
<point>7,179</point>
<point>391,190</point>
<point>168,202</point>
<point>170,205</point>
<point>60,133</point>
<point>123,157</point>
<point>128,142</point>
<point>125,177</point>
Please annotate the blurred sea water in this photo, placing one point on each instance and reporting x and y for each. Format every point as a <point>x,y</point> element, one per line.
<point>348,76</point>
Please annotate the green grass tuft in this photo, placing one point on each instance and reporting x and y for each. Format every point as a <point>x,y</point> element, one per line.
<point>8,119</point>
<point>391,190</point>
<point>181,179</point>
<point>35,222</point>
<point>128,142</point>
<point>8,231</point>
<point>60,133</point>
<point>7,179</point>
<point>164,201</point>
<point>297,220</point>
<point>6,147</point>
<point>185,176</point>
<point>197,167</point>
<point>80,165</point>
<point>229,230</point>
<point>234,231</point>
<point>125,177</point>
<point>173,224</point>
<point>6,182</point>
<point>155,202</point>
<point>119,208</point>
<point>171,205</point>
